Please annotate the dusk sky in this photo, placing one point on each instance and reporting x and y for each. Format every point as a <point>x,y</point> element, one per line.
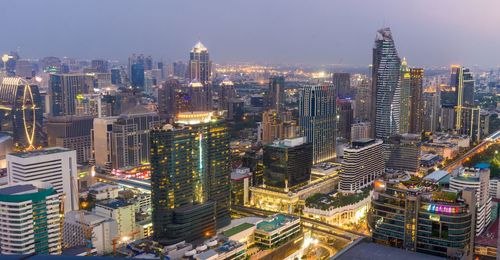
<point>426,32</point>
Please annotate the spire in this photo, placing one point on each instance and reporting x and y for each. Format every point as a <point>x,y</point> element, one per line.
<point>199,47</point>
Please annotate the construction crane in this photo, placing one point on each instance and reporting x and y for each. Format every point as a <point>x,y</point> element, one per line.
<point>123,238</point>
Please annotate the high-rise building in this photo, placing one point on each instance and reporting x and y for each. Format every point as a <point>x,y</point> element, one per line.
<point>102,137</point>
<point>287,163</point>
<point>65,89</point>
<point>30,219</point>
<point>179,69</point>
<point>360,130</point>
<point>479,181</point>
<point>190,178</point>
<point>200,96</point>
<point>345,114</point>
<point>21,111</point>
<point>342,83</point>
<point>470,122</point>
<point>72,132</point>
<point>363,163</point>
<point>363,102</point>
<point>416,103</point>
<point>431,111</point>
<point>276,95</point>
<point>385,86</point>
<point>226,94</point>
<point>116,76</point>
<point>130,137</point>
<point>402,152</point>
<point>55,165</point>
<point>137,78</point>
<point>416,217</point>
<point>272,126</point>
<point>99,66</point>
<point>200,65</point>
<point>317,119</point>
<point>405,103</point>
<point>167,93</point>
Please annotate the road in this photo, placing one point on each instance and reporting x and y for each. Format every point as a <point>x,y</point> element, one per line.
<point>491,139</point>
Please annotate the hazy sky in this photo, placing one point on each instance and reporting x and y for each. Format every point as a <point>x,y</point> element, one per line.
<point>427,32</point>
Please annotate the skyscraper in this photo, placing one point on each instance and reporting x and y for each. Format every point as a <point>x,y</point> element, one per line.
<point>462,82</point>
<point>317,119</point>
<point>416,102</point>
<point>363,163</point>
<point>276,95</point>
<point>21,111</point>
<point>200,65</point>
<point>431,111</point>
<point>385,85</point>
<point>30,221</point>
<point>137,77</point>
<point>56,166</point>
<point>362,108</point>
<point>200,96</point>
<point>342,83</point>
<point>287,163</point>
<point>100,66</point>
<point>226,94</point>
<point>405,103</point>
<point>190,178</point>
<point>167,99</point>
<point>64,89</point>
<point>402,152</point>
<point>345,115</point>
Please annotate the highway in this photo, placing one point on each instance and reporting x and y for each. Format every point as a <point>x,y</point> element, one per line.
<point>491,139</point>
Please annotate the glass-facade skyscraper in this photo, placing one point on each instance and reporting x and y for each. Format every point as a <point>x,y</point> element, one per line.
<point>317,119</point>
<point>385,85</point>
<point>200,65</point>
<point>276,95</point>
<point>190,177</point>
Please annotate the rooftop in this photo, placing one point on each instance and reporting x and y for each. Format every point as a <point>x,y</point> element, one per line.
<point>45,151</point>
<point>115,204</point>
<point>325,201</point>
<point>18,189</point>
<point>237,229</point>
<point>275,222</point>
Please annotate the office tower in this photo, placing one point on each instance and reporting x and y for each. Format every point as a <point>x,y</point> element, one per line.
<point>479,181</point>
<point>431,111</point>
<point>363,163</point>
<point>55,165</point>
<point>272,126</point>
<point>423,218</point>
<point>21,112</point>
<point>484,124</point>
<point>342,83</point>
<point>116,77</point>
<point>24,69</point>
<point>402,152</point>
<point>385,86</point>
<point>100,66</point>
<point>363,102</point>
<point>190,178</point>
<point>405,103</point>
<point>236,109</point>
<point>470,122</point>
<point>226,94</point>
<point>72,132</point>
<point>130,137</point>
<point>104,230</point>
<point>30,219</point>
<point>162,68</point>
<point>179,69</point>
<point>167,93</point>
<point>287,163</point>
<point>276,95</point>
<point>102,136</point>
<point>317,119</point>
<point>200,96</point>
<point>137,78</point>
<point>200,66</point>
<point>241,181</point>
<point>345,114</point>
<point>416,103</point>
<point>64,90</point>
<point>360,130</point>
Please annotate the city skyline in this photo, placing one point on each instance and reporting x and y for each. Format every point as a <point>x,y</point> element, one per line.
<point>329,33</point>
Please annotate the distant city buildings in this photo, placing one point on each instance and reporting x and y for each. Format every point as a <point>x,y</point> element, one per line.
<point>342,83</point>
<point>200,65</point>
<point>72,132</point>
<point>346,118</point>
<point>65,89</point>
<point>276,95</point>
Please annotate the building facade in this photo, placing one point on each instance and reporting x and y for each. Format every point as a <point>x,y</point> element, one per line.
<point>200,65</point>
<point>65,89</point>
<point>72,132</point>
<point>276,95</point>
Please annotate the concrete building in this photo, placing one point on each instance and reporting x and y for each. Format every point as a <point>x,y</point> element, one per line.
<point>346,118</point>
<point>277,230</point>
<point>72,132</point>
<point>6,146</point>
<point>55,165</point>
<point>402,152</point>
<point>360,131</point>
<point>479,181</point>
<point>104,230</point>
<point>103,191</point>
<point>30,219</point>
<point>363,163</point>
<point>122,212</point>
<point>102,142</point>
<point>241,181</point>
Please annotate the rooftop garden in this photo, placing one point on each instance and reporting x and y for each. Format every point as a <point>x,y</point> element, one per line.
<point>328,201</point>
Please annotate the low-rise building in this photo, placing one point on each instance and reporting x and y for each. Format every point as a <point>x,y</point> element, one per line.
<point>122,212</point>
<point>445,150</point>
<point>241,181</point>
<point>104,191</point>
<point>463,141</point>
<point>277,230</point>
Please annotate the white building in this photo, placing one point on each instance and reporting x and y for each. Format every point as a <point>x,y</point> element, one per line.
<point>104,191</point>
<point>479,180</point>
<point>142,202</point>
<point>363,163</point>
<point>56,166</point>
<point>30,222</point>
<point>104,230</point>
<point>122,212</point>
<point>102,141</point>
<point>495,188</point>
